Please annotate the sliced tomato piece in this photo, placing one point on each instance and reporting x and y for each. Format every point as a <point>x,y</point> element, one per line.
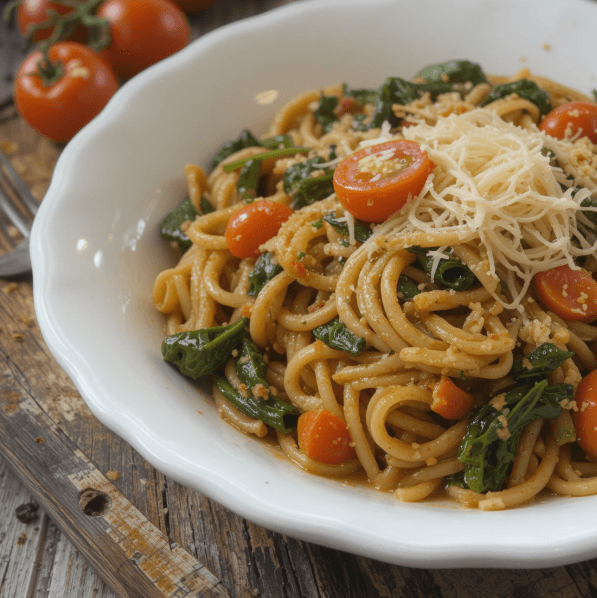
<point>585,419</point>
<point>450,401</point>
<point>569,119</point>
<point>570,294</point>
<point>253,225</point>
<point>376,181</point>
<point>324,437</point>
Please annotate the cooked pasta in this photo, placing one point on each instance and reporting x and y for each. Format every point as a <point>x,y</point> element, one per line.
<point>431,345</point>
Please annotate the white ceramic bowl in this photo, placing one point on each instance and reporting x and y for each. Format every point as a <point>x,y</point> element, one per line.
<point>96,252</point>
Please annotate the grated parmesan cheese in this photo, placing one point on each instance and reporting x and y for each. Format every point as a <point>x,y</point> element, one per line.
<point>494,189</point>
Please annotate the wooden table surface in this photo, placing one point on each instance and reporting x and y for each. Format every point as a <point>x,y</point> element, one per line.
<point>37,557</point>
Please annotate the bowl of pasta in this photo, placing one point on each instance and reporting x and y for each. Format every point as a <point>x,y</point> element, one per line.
<point>346,287</point>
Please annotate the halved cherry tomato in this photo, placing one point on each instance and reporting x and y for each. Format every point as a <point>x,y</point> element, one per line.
<point>585,419</point>
<point>252,226</point>
<point>450,401</point>
<point>568,119</point>
<point>142,32</point>
<point>324,437</point>
<point>376,181</point>
<point>59,97</point>
<point>570,294</point>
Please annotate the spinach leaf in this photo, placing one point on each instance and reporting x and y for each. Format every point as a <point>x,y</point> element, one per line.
<point>489,446</point>
<point>590,202</point>
<point>246,139</point>
<point>272,411</point>
<point>252,372</point>
<point>304,188</point>
<point>263,271</point>
<point>525,89</point>
<point>539,363</point>
<point>460,71</point>
<point>451,273</point>
<point>170,225</point>
<point>407,288</point>
<point>394,90</point>
<point>361,231</point>
<point>399,91</point>
<point>199,352</point>
<point>337,336</point>
<point>362,96</point>
<point>325,114</point>
<point>248,180</point>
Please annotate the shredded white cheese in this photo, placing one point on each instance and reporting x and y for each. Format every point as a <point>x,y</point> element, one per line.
<point>494,189</point>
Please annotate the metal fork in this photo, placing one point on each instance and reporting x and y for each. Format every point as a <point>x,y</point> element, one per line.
<point>19,207</point>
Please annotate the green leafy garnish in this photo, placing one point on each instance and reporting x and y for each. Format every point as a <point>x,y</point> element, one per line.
<point>451,273</point>
<point>199,352</point>
<point>454,71</point>
<point>361,231</point>
<point>407,288</point>
<point>491,440</point>
<point>539,363</point>
<point>170,225</point>
<point>337,336</point>
<point>276,153</point>
<point>263,271</point>
<point>325,114</point>
<point>272,411</point>
<point>525,89</point>
<point>248,180</point>
<point>304,188</point>
<point>246,139</point>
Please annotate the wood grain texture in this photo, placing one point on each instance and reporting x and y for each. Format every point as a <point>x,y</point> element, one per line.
<point>37,560</point>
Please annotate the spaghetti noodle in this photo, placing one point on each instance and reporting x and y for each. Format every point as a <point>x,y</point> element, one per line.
<point>377,324</point>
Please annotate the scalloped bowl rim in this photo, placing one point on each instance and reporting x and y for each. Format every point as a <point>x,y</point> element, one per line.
<point>92,276</point>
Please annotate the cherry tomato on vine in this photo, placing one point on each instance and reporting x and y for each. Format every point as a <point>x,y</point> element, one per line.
<point>191,6</point>
<point>585,419</point>
<point>142,32</point>
<point>570,294</point>
<point>32,15</point>
<point>567,120</point>
<point>59,95</point>
<point>253,225</point>
<point>376,181</point>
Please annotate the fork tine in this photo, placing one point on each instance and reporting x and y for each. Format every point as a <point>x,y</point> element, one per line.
<point>15,216</point>
<point>15,180</point>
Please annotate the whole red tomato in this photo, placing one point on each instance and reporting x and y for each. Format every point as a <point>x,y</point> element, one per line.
<point>60,93</point>
<point>35,20</point>
<point>142,33</point>
<point>130,35</point>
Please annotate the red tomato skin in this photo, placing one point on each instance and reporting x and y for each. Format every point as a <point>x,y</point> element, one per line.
<point>142,32</point>
<point>376,201</point>
<point>315,431</point>
<point>585,419</point>
<point>450,401</point>
<point>60,110</point>
<point>253,225</point>
<point>572,117</point>
<point>36,12</point>
<point>559,289</point>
